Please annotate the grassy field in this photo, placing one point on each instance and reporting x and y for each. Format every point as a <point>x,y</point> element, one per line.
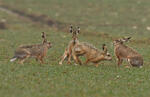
<point>100,22</point>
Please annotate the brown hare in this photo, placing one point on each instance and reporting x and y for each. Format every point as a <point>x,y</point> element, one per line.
<point>38,51</point>
<point>72,43</point>
<point>124,52</point>
<point>91,53</point>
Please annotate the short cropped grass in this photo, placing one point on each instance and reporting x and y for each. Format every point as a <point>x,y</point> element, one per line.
<point>101,21</point>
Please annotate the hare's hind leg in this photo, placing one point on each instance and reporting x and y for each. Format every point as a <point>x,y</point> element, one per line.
<point>21,61</point>
<point>135,62</point>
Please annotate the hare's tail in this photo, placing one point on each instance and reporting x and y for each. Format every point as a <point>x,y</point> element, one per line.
<point>13,59</point>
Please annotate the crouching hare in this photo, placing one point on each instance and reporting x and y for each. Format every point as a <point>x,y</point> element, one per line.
<point>38,51</point>
<point>91,53</point>
<point>124,52</point>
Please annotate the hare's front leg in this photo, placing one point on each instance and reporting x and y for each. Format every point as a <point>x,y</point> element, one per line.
<point>76,58</point>
<point>119,61</point>
<point>40,58</point>
<point>65,55</point>
<point>69,55</point>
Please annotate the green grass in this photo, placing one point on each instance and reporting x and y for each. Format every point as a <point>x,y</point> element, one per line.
<point>97,19</point>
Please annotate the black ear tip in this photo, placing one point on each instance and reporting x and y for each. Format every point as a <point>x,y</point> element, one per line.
<point>129,37</point>
<point>104,44</point>
<point>42,36</point>
<point>71,31</point>
<point>78,27</point>
<point>71,25</point>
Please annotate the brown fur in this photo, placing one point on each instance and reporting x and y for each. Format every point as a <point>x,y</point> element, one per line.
<point>37,51</point>
<point>72,43</point>
<point>124,52</point>
<point>91,53</point>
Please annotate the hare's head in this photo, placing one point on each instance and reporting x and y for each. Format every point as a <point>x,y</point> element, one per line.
<point>48,44</point>
<point>105,53</point>
<point>44,37</point>
<point>121,41</point>
<point>74,32</point>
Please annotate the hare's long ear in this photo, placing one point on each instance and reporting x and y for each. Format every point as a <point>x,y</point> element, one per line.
<point>71,29</point>
<point>104,47</point>
<point>129,38</point>
<point>126,39</point>
<point>44,37</point>
<point>78,30</point>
